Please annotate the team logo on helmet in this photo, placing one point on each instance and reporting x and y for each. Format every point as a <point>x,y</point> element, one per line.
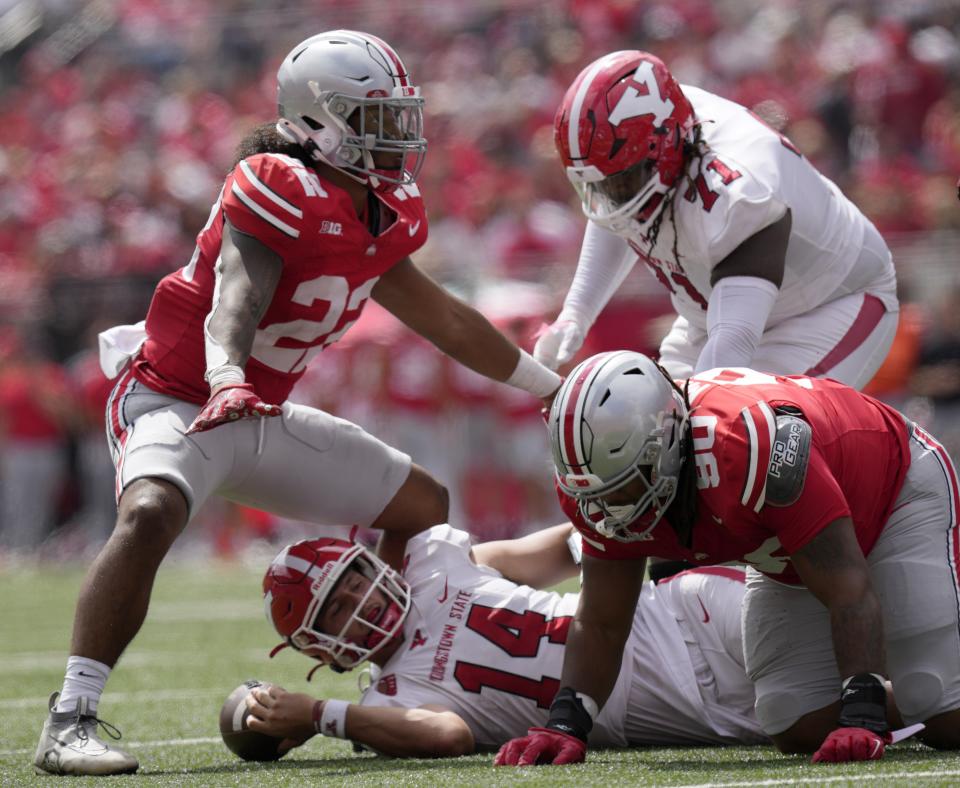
<point>621,131</point>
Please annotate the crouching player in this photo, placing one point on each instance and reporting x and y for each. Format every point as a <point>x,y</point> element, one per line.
<point>470,652</point>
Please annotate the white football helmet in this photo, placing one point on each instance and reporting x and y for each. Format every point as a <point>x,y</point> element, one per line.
<point>347,99</point>
<point>615,419</point>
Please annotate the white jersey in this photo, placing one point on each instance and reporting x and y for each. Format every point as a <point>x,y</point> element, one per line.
<point>492,652</point>
<point>749,179</point>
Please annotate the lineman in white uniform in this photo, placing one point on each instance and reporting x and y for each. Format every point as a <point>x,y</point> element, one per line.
<point>490,651</point>
<point>768,265</point>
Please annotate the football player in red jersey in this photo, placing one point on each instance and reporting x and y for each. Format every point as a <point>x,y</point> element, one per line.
<point>846,512</point>
<point>319,214</point>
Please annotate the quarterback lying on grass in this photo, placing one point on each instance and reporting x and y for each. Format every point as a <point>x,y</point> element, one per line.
<point>466,652</point>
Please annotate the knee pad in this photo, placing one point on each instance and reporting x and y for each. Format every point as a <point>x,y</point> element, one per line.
<point>918,695</point>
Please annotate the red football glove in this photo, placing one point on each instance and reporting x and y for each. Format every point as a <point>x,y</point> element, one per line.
<point>852,744</point>
<point>231,403</point>
<point>541,746</point>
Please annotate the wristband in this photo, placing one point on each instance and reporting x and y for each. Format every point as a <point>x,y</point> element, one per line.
<point>863,703</point>
<point>532,376</point>
<point>225,373</point>
<point>575,546</point>
<point>333,720</point>
<point>572,713</point>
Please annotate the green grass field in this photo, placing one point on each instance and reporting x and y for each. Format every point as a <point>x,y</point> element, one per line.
<point>206,633</point>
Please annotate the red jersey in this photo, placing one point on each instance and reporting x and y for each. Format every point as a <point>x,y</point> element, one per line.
<point>330,264</point>
<point>858,459</point>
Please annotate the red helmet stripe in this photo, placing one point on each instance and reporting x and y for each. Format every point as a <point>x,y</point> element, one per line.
<point>573,122</point>
<point>571,414</point>
<point>392,57</point>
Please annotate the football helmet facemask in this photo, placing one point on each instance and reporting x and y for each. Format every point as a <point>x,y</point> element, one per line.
<point>347,99</point>
<point>302,578</point>
<point>621,132</point>
<point>617,420</point>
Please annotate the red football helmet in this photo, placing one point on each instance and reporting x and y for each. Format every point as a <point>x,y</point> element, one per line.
<point>302,577</point>
<point>620,131</point>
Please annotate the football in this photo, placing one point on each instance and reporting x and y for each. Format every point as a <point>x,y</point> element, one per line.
<point>248,744</point>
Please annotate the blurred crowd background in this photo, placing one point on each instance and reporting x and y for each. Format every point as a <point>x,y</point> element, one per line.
<point>119,120</point>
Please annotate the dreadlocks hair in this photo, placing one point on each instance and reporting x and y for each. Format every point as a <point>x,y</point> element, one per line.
<point>266,139</point>
<point>682,513</point>
<point>696,149</point>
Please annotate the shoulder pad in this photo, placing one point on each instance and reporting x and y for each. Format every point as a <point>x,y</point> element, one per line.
<point>270,196</point>
<point>788,460</point>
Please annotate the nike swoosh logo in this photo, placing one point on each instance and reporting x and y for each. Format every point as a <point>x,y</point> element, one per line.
<point>412,229</point>
<point>706,615</point>
<point>88,675</point>
<point>876,747</point>
<point>443,598</point>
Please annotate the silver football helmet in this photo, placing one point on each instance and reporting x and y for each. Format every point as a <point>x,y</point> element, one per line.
<point>347,99</point>
<point>617,419</point>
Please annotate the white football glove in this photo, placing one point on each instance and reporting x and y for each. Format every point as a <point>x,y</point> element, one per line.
<point>559,342</point>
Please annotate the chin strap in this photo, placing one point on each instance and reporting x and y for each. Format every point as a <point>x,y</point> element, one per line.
<point>277,649</point>
<point>281,646</point>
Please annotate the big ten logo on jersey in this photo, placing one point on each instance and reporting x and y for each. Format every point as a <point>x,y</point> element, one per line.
<point>670,273</point>
<point>703,431</point>
<point>331,228</point>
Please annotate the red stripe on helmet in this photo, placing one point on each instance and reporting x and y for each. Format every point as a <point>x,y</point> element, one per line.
<point>393,57</point>
<point>568,425</point>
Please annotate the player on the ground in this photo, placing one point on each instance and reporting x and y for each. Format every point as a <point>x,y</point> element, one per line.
<point>319,215</point>
<point>846,511</point>
<point>768,265</point>
<point>469,652</point>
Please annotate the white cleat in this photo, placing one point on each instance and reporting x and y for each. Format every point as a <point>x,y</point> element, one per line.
<point>69,744</point>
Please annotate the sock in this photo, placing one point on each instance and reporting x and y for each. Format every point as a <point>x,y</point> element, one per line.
<point>85,678</point>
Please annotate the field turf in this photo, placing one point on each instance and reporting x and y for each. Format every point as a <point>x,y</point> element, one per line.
<point>206,633</point>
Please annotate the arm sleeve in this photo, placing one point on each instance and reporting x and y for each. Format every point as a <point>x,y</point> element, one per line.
<point>605,261</point>
<point>737,314</point>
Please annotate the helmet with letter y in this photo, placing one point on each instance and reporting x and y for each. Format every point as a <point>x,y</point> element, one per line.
<point>619,427</point>
<point>347,99</point>
<point>624,131</point>
<point>302,578</point>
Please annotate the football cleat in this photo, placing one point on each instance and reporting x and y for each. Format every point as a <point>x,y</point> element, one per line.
<point>69,744</point>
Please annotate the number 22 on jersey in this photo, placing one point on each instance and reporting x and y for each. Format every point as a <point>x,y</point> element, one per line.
<point>334,290</point>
